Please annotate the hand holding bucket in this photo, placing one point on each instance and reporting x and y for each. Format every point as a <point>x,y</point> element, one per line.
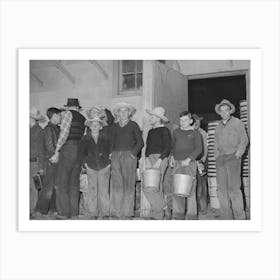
<point>183,182</point>
<point>151,180</point>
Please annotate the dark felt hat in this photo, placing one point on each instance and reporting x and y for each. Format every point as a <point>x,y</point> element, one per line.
<point>73,102</point>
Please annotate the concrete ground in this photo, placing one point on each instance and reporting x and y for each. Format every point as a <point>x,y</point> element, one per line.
<point>210,214</point>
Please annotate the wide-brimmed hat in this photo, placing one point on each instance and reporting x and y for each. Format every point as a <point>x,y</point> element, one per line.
<point>100,109</point>
<point>36,115</point>
<point>197,117</point>
<point>73,102</point>
<point>120,105</point>
<point>101,113</point>
<point>159,112</point>
<point>88,122</point>
<point>225,102</point>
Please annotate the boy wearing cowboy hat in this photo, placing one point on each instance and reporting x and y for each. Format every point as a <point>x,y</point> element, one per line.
<point>72,129</point>
<point>103,113</point>
<point>94,152</point>
<point>127,142</point>
<point>231,141</point>
<point>158,147</point>
<point>36,152</point>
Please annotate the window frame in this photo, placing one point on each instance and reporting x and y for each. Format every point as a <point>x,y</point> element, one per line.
<point>117,75</point>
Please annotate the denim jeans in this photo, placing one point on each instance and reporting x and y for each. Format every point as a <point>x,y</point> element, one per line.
<point>96,199</point>
<point>156,199</point>
<point>180,204</point>
<point>67,181</point>
<point>228,169</point>
<point>202,192</point>
<point>122,193</point>
<point>46,199</point>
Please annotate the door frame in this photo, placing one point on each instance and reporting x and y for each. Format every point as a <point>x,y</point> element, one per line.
<point>221,74</point>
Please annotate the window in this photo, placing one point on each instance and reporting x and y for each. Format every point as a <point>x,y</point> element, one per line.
<point>130,77</point>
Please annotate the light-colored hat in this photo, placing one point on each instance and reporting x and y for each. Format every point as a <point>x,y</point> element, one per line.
<point>100,109</point>
<point>224,102</point>
<point>101,113</point>
<point>120,105</point>
<point>36,115</point>
<point>88,122</point>
<point>159,112</point>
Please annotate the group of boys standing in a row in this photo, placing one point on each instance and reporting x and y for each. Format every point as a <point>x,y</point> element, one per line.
<point>108,145</point>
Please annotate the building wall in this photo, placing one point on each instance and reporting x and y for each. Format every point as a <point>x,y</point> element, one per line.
<point>170,91</point>
<point>193,67</point>
<point>90,87</point>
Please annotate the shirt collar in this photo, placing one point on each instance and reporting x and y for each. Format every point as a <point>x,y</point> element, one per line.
<point>224,123</point>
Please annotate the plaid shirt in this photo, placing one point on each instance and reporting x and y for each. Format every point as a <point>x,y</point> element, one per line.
<point>64,129</point>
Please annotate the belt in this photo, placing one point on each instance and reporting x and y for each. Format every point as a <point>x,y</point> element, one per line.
<point>34,159</point>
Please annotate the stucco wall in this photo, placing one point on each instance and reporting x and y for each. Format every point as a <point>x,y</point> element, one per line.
<point>90,87</point>
<point>170,91</point>
<point>193,67</point>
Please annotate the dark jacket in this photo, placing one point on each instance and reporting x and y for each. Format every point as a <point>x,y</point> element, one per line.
<point>51,134</point>
<point>95,155</point>
<point>36,145</point>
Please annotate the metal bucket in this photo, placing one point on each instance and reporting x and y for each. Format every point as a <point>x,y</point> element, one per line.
<point>183,184</point>
<point>151,180</point>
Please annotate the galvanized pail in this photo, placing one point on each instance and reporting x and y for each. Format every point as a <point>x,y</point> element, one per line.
<point>183,185</point>
<point>151,180</point>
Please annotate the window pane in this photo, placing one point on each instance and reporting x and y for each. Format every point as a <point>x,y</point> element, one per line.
<point>139,80</point>
<point>128,81</point>
<point>139,66</point>
<point>128,66</point>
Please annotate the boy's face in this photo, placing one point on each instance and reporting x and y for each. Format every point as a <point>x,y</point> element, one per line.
<point>95,127</point>
<point>185,121</point>
<point>154,119</point>
<point>56,118</point>
<point>124,114</point>
<point>225,112</point>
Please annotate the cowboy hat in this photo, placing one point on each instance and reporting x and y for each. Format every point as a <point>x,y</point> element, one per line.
<point>158,112</point>
<point>88,122</point>
<point>36,115</point>
<point>73,102</point>
<point>224,102</point>
<point>120,105</point>
<point>100,109</point>
<point>100,113</point>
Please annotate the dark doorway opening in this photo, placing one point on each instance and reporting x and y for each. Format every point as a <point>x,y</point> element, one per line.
<point>205,93</point>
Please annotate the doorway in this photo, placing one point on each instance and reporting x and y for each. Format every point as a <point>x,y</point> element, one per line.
<point>205,92</point>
